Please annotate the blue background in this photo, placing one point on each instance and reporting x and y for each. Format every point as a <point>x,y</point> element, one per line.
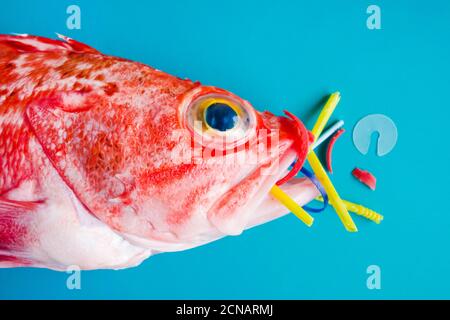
<point>289,55</point>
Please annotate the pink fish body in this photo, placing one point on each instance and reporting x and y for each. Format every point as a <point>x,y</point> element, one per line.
<point>105,162</point>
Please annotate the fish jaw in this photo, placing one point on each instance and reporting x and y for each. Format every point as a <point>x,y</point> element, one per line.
<point>250,203</point>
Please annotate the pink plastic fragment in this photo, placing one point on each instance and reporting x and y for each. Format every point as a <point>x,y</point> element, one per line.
<point>365,177</point>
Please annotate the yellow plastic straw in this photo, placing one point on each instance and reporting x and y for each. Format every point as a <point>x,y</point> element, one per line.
<point>320,172</point>
<point>325,114</point>
<point>360,210</point>
<point>335,200</point>
<point>289,203</point>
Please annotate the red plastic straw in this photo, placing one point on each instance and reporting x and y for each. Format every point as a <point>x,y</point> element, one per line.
<point>330,148</point>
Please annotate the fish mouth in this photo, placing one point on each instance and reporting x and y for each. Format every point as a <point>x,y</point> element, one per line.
<point>260,206</point>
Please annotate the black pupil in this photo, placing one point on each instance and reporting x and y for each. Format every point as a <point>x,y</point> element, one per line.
<point>221,116</point>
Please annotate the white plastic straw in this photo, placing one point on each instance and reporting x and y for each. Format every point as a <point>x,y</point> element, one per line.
<point>328,133</point>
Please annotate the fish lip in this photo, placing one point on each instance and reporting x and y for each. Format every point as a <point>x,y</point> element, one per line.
<point>285,162</point>
<point>241,216</point>
<point>302,190</point>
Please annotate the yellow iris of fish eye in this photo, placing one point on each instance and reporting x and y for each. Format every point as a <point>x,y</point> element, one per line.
<point>204,105</point>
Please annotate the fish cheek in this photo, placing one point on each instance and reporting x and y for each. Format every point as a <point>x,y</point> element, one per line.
<point>103,161</point>
<point>83,147</point>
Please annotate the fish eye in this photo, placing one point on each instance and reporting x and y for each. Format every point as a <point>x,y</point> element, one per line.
<point>220,116</point>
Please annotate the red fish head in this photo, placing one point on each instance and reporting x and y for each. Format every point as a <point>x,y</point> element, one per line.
<point>198,167</point>
<point>164,161</point>
<point>215,160</point>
